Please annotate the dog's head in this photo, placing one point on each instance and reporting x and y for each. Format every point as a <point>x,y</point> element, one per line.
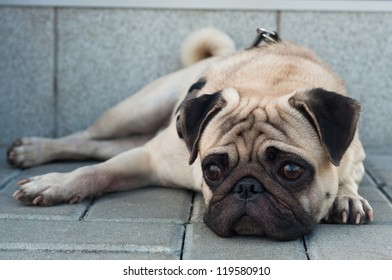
<point>268,160</point>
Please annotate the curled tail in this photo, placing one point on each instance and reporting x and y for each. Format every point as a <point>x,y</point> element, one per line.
<point>205,43</point>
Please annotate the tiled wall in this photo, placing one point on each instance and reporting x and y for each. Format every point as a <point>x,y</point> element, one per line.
<point>62,67</point>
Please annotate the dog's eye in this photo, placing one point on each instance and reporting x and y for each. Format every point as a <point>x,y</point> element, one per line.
<point>212,172</point>
<point>291,171</point>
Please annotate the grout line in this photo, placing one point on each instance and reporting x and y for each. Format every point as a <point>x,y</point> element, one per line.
<point>85,212</point>
<point>373,177</point>
<point>186,224</point>
<point>278,22</point>
<point>305,247</point>
<point>8,178</point>
<point>388,197</point>
<point>55,73</point>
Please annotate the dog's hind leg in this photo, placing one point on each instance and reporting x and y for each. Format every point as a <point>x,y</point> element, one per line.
<point>32,151</point>
<point>132,122</point>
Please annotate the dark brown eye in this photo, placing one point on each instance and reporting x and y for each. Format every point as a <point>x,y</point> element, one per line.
<point>291,171</point>
<point>212,172</point>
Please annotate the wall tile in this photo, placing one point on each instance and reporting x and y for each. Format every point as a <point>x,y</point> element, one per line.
<point>358,48</point>
<point>26,67</point>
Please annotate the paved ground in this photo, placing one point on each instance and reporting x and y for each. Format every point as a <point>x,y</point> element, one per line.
<point>158,223</point>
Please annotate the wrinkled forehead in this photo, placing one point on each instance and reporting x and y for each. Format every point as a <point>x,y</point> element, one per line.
<point>248,125</point>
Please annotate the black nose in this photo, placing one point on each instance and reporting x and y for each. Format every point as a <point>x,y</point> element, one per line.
<point>248,188</point>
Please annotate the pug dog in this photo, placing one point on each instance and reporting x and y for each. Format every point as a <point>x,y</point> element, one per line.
<point>267,135</point>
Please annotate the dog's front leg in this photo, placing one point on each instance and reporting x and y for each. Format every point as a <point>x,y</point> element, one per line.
<point>126,171</point>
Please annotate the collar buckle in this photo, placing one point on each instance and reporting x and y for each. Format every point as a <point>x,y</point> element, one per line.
<point>264,35</point>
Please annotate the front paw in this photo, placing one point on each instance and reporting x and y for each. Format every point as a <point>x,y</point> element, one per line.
<point>47,190</point>
<point>349,210</point>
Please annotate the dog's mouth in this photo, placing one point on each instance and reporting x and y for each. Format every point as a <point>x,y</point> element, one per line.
<point>264,216</point>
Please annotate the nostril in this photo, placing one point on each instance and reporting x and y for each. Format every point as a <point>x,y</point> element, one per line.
<point>258,188</point>
<point>238,188</point>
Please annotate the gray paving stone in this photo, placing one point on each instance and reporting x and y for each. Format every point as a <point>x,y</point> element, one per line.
<point>118,51</point>
<point>91,236</point>
<point>27,67</point>
<point>372,194</point>
<point>150,203</point>
<point>202,243</point>
<point>388,191</point>
<point>341,242</point>
<point>367,181</point>
<point>369,241</point>
<point>380,166</point>
<point>356,47</point>
<point>82,255</point>
<point>382,213</point>
<point>11,208</point>
<point>7,173</point>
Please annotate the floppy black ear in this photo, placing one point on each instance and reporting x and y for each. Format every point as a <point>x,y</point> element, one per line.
<point>334,116</point>
<point>193,118</point>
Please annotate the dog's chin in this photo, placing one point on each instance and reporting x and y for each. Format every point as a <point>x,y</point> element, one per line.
<point>265,217</point>
<point>245,225</point>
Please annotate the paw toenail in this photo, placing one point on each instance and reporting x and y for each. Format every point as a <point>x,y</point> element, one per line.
<point>19,195</point>
<point>344,217</point>
<point>75,199</point>
<point>370,216</point>
<point>16,193</point>
<point>23,181</point>
<point>18,142</point>
<point>358,218</point>
<point>38,200</point>
<point>11,157</point>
